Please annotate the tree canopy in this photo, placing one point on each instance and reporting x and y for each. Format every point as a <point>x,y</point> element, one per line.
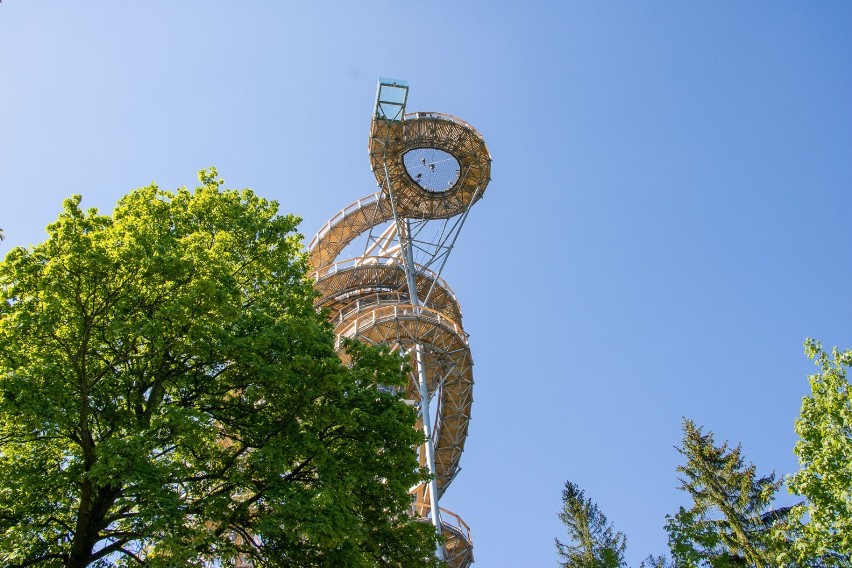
<point>731,522</point>
<point>169,396</point>
<point>824,427</point>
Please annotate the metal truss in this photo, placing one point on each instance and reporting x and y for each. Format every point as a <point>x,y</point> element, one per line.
<point>377,266</point>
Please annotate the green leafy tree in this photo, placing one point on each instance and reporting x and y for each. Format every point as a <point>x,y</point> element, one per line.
<point>593,541</point>
<point>730,522</point>
<point>652,561</point>
<point>825,454</point>
<point>169,396</point>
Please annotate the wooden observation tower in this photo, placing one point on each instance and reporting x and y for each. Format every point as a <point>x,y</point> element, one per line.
<point>378,263</point>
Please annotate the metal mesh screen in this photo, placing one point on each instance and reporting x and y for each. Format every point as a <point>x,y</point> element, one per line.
<point>432,169</point>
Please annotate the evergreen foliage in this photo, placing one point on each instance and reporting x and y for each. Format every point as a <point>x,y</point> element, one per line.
<point>652,561</point>
<point>730,522</point>
<point>593,542</point>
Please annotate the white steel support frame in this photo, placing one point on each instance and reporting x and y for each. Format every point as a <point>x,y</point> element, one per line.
<point>443,250</point>
<point>389,290</point>
<point>403,229</point>
<point>435,252</point>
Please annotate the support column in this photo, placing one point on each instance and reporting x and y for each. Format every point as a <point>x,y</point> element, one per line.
<point>420,360</point>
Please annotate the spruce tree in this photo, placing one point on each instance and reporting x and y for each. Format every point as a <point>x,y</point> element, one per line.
<point>731,522</point>
<point>593,541</point>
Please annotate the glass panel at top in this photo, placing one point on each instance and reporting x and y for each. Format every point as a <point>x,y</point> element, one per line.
<point>390,99</point>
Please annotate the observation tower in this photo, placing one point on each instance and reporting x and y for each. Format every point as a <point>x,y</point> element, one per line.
<point>378,263</point>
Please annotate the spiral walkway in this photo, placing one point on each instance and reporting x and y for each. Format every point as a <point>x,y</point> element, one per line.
<point>429,167</point>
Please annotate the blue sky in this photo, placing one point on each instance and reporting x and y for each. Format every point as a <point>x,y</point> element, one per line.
<point>669,215</point>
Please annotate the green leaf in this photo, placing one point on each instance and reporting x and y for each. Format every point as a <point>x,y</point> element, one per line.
<point>169,393</point>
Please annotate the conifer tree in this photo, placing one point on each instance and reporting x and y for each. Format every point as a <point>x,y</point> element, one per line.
<point>593,541</point>
<point>731,522</point>
<point>652,561</point>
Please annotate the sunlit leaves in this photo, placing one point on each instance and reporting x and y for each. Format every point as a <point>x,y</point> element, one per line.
<point>168,394</point>
<point>824,449</point>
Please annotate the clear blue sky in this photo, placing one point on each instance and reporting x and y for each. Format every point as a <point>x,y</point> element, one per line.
<point>669,215</point>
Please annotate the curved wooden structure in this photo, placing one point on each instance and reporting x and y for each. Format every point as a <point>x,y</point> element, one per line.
<point>382,298</point>
<point>390,141</point>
